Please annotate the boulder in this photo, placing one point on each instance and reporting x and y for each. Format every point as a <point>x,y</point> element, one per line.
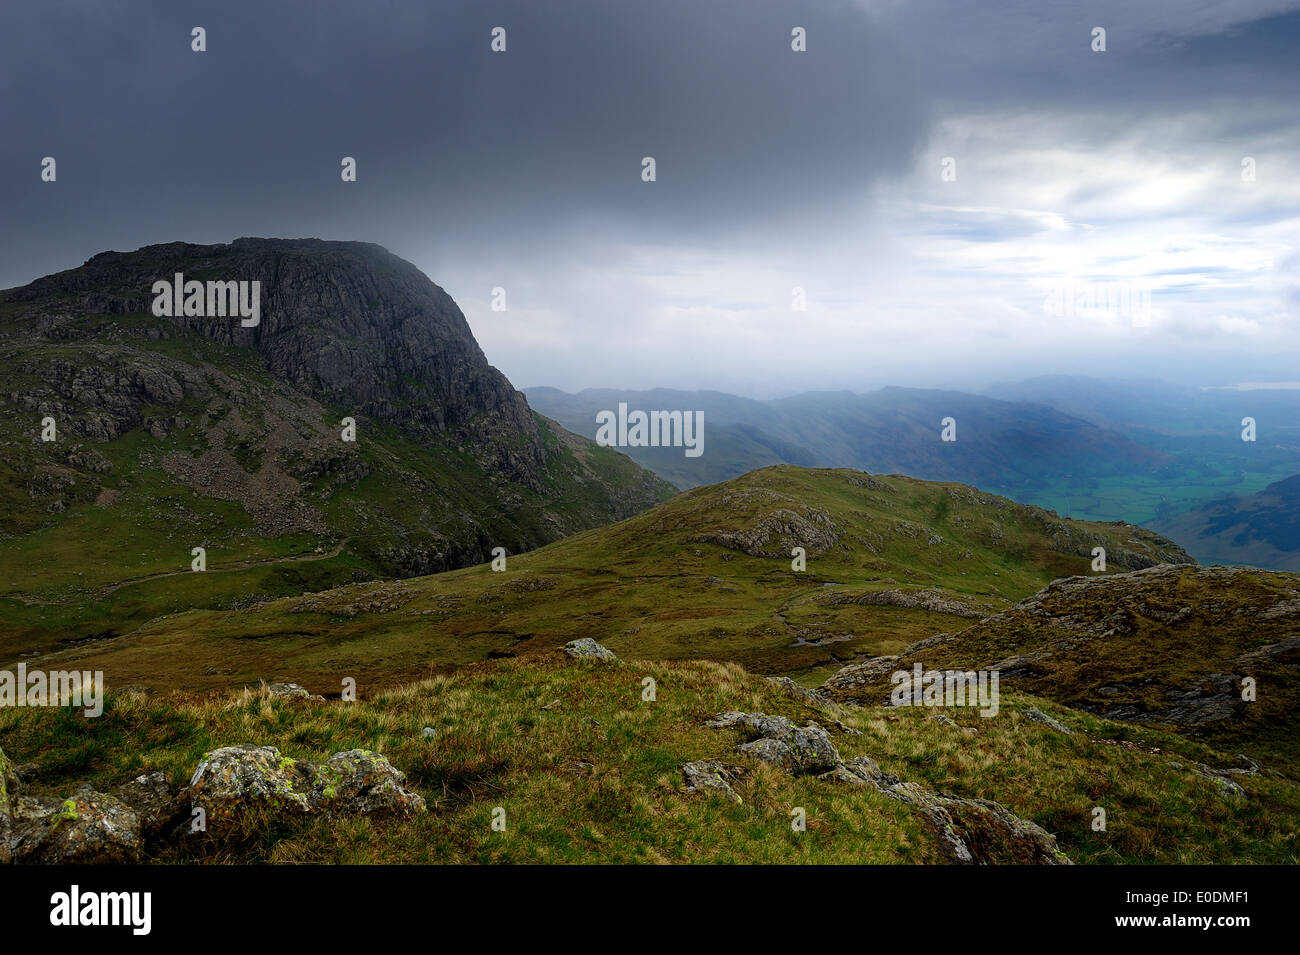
<point>710,774</point>
<point>30,817</point>
<point>359,782</point>
<point>586,648</point>
<point>158,805</point>
<point>777,740</point>
<point>87,828</point>
<point>1038,716</point>
<point>293,691</point>
<point>234,779</point>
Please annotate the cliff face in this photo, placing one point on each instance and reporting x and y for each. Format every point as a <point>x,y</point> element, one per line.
<point>348,323</point>
<point>178,431</point>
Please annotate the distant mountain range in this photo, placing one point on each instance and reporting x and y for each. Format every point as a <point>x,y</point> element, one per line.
<point>1142,452</point>
<point>895,430</point>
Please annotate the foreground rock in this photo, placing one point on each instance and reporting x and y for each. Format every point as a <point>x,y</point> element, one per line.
<point>970,830</point>
<point>776,740</point>
<point>292,690</point>
<point>588,649</point>
<point>87,828</point>
<point>8,795</point>
<point>710,774</point>
<point>94,828</point>
<point>235,779</point>
<point>1038,716</point>
<point>155,801</point>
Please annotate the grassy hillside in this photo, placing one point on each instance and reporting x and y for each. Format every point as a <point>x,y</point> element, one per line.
<point>890,560</point>
<point>587,771</point>
<point>1168,646</point>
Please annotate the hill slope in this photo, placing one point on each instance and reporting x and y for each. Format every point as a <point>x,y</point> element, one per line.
<point>890,560</point>
<point>1168,646</point>
<point>1260,529</point>
<point>181,432</point>
<point>582,768</point>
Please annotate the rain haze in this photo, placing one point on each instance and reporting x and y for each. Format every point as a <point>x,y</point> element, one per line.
<point>937,180</point>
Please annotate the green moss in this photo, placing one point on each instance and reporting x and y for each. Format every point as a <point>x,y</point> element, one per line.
<point>67,812</point>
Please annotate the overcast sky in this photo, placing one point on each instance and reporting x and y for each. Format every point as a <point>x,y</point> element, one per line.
<point>1075,170</point>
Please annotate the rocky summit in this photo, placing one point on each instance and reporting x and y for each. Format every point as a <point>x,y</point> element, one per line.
<point>354,430</point>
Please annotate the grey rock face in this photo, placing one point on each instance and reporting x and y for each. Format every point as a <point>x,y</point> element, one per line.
<point>777,740</point>
<point>1038,716</point>
<point>970,830</point>
<point>346,322</point>
<point>346,329</point>
<point>86,828</point>
<point>586,648</point>
<point>710,774</point>
<point>152,798</point>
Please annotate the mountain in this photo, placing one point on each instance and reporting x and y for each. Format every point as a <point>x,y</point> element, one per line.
<point>707,574</point>
<point>1010,447</point>
<point>1158,406</point>
<point>1201,431</point>
<point>187,431</point>
<point>1261,529</point>
<point>1166,646</point>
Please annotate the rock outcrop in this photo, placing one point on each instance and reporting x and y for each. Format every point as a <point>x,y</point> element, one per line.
<point>585,648</point>
<point>711,774</point>
<point>235,779</point>
<point>969,830</point>
<point>91,827</point>
<point>1173,645</point>
<point>777,740</point>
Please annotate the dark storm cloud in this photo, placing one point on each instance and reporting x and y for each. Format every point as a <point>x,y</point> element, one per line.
<point>155,142</point>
